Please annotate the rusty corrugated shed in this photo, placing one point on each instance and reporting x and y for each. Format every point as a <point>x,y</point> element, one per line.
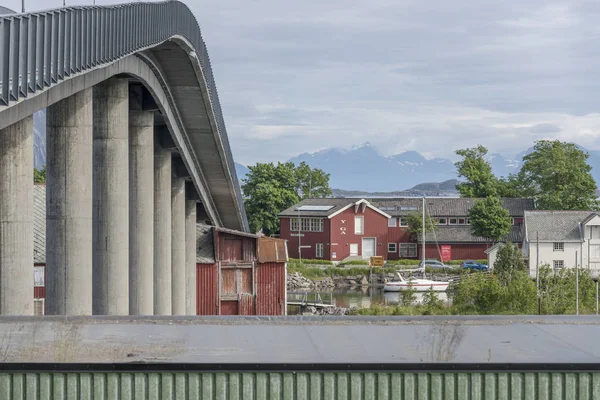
<point>235,248</point>
<point>272,250</point>
<point>246,304</point>
<point>270,289</point>
<point>339,385</point>
<point>207,277</point>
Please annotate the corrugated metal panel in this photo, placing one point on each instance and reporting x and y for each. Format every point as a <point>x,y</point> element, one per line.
<point>228,281</point>
<point>309,385</point>
<point>270,289</point>
<point>271,250</point>
<point>39,224</point>
<point>236,247</point>
<point>229,307</point>
<point>246,304</point>
<point>207,288</point>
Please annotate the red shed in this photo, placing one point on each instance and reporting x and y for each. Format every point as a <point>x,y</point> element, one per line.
<point>239,273</point>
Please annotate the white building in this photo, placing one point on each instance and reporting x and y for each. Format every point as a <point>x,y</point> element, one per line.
<point>562,239</point>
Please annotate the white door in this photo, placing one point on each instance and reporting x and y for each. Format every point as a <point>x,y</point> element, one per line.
<point>353,249</point>
<point>368,247</point>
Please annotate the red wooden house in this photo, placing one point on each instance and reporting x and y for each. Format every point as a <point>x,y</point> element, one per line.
<point>335,229</point>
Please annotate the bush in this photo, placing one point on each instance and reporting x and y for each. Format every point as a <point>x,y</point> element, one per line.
<point>354,262</point>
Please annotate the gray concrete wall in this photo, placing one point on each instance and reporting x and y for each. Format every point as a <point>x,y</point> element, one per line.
<point>111,198</point>
<point>178,283</point>
<point>190,257</point>
<point>16,218</point>
<point>162,232</point>
<point>141,212</point>
<point>69,206</point>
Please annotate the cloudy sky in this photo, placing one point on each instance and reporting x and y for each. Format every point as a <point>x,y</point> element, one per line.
<point>431,76</point>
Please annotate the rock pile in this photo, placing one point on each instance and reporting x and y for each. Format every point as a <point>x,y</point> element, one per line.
<point>297,281</point>
<point>328,311</point>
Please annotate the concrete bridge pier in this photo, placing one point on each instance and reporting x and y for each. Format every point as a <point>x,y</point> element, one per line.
<point>16,218</point>
<point>111,198</point>
<point>178,242</point>
<point>190,257</point>
<point>69,205</point>
<point>162,231</point>
<point>141,211</point>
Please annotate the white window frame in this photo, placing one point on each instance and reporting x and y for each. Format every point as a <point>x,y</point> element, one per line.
<point>452,223</point>
<point>464,221</point>
<point>395,248</point>
<point>362,225</point>
<point>407,250</point>
<point>442,223</point>
<point>558,264</point>
<point>40,270</point>
<point>392,222</point>
<point>308,224</point>
<point>558,246</point>
<point>319,250</point>
<point>403,222</point>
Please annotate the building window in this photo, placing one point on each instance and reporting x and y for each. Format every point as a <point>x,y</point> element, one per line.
<point>559,264</point>
<point>442,221</point>
<point>319,250</point>
<point>462,221</point>
<point>392,222</point>
<point>359,225</point>
<point>404,222</point>
<point>559,246</point>
<point>408,250</point>
<point>392,247</point>
<point>38,277</point>
<point>307,224</point>
<point>453,221</point>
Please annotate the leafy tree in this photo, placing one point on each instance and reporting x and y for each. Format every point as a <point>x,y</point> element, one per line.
<point>489,219</point>
<point>269,189</point>
<point>415,224</point>
<point>39,175</point>
<point>480,181</point>
<point>558,176</point>
<point>431,302</point>
<point>312,183</point>
<point>478,294</point>
<point>557,291</point>
<point>508,262</point>
<point>408,296</point>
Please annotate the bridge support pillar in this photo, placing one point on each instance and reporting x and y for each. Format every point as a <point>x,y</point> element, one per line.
<point>16,218</point>
<point>69,206</point>
<point>178,255</point>
<point>190,257</point>
<point>162,231</point>
<point>111,198</point>
<point>141,212</point>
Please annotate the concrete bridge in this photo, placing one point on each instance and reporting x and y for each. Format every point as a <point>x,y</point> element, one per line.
<point>137,152</point>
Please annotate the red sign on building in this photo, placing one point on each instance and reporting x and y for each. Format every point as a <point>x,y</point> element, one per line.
<point>446,253</point>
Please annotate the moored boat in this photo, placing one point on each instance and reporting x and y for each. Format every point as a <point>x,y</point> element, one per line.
<point>420,285</point>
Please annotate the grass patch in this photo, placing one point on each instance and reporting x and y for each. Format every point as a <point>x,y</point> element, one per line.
<point>313,273</point>
<point>309,261</point>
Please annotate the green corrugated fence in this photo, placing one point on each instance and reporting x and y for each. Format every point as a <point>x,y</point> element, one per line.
<point>305,385</point>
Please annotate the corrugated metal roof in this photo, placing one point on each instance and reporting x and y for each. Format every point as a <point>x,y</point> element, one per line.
<point>302,385</point>
<point>291,340</point>
<point>205,246</point>
<point>555,226</point>
<point>39,224</point>
<point>460,234</point>
<point>436,206</point>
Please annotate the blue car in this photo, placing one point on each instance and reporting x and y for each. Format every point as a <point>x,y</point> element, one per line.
<point>470,264</point>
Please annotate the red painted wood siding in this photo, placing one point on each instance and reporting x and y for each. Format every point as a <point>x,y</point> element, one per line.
<point>375,226</point>
<point>270,289</point>
<point>229,307</point>
<point>235,248</point>
<point>207,278</point>
<point>308,239</point>
<point>398,235</point>
<point>475,251</point>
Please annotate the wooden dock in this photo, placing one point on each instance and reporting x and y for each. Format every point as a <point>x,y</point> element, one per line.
<point>306,299</point>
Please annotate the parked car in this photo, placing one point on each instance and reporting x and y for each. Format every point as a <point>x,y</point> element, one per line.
<point>470,264</point>
<point>434,264</point>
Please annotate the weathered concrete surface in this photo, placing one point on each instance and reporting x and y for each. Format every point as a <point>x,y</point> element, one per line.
<point>190,257</point>
<point>162,232</point>
<point>178,283</point>
<point>141,212</point>
<point>111,198</point>
<point>16,218</point>
<point>69,254</point>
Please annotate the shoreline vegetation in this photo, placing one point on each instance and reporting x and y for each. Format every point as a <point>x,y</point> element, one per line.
<point>501,292</point>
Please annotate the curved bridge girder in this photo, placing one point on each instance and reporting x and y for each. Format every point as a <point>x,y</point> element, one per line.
<point>47,56</point>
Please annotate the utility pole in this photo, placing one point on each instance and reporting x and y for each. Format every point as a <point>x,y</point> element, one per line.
<point>576,285</point>
<point>537,271</point>
<point>423,228</point>
<point>22,6</point>
<point>299,240</point>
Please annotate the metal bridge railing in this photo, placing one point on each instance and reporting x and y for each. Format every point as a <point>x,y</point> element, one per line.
<point>40,49</point>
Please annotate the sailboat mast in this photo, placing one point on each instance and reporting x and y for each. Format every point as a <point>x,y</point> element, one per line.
<point>423,229</point>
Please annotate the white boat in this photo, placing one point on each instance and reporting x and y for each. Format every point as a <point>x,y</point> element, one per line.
<point>420,285</point>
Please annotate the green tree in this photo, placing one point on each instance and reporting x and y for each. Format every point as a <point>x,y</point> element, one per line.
<point>269,189</point>
<point>415,224</point>
<point>312,183</point>
<point>408,296</point>
<point>558,176</point>
<point>489,219</point>
<point>508,262</point>
<point>480,181</point>
<point>432,303</point>
<point>39,175</point>
<point>478,294</point>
